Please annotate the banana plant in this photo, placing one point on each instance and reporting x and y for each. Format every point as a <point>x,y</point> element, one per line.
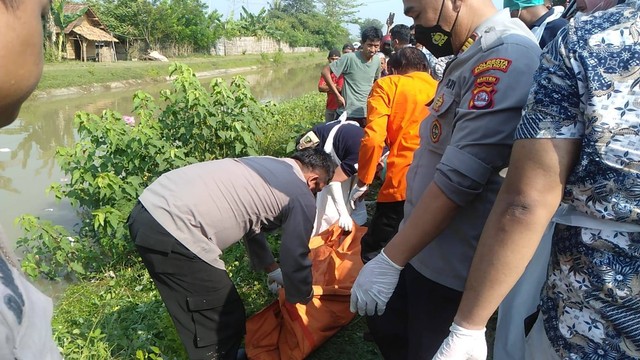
<point>62,20</point>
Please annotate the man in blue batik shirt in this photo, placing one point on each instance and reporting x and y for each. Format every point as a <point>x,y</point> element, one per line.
<point>579,143</point>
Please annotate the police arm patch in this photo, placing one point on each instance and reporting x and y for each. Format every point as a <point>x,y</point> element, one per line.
<point>500,64</point>
<point>483,91</point>
<point>436,131</point>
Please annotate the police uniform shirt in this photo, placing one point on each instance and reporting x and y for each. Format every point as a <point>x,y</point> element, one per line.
<point>466,140</point>
<point>211,205</point>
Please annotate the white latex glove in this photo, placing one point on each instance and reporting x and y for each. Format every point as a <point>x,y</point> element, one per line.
<point>463,344</point>
<point>335,192</point>
<point>275,281</point>
<point>356,193</point>
<point>375,285</point>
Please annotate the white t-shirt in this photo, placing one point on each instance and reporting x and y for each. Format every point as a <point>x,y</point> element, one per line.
<point>25,316</point>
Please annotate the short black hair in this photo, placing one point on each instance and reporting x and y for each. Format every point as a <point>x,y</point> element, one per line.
<point>370,33</point>
<point>408,59</point>
<point>333,52</point>
<point>316,160</point>
<point>348,46</point>
<point>402,33</point>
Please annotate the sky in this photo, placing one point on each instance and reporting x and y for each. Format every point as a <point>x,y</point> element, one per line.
<point>375,9</point>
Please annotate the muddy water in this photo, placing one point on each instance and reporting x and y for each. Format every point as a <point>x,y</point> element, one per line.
<point>27,147</point>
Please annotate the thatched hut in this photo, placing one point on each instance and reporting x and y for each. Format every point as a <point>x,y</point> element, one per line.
<point>87,38</point>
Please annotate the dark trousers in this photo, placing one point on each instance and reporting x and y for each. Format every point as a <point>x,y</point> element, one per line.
<point>383,227</point>
<point>203,302</point>
<point>417,318</point>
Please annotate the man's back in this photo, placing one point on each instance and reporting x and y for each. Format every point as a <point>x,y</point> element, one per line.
<point>396,110</point>
<point>209,206</point>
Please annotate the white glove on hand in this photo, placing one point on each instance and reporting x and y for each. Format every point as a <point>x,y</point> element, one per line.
<point>335,192</point>
<point>275,281</point>
<point>375,285</point>
<point>463,344</point>
<point>355,194</point>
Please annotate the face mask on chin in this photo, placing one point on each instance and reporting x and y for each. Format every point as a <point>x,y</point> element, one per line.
<point>435,38</point>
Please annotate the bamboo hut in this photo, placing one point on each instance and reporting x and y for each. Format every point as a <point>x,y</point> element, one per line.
<point>87,38</point>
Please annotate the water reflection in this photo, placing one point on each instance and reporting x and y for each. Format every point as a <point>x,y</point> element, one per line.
<point>27,147</point>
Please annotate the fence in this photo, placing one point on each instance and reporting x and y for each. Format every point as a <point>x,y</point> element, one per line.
<point>254,45</point>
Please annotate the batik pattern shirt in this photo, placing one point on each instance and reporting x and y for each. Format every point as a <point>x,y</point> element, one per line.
<point>587,88</point>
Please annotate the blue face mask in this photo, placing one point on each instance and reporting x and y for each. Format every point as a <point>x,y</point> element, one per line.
<point>435,38</point>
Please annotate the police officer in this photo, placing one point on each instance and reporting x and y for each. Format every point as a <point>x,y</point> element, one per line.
<point>454,178</point>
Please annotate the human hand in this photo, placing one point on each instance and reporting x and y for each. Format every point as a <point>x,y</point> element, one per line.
<point>341,101</point>
<point>463,344</point>
<point>275,280</point>
<point>356,193</point>
<point>375,285</point>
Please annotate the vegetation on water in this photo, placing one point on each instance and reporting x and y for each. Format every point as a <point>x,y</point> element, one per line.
<point>68,74</point>
<point>112,310</point>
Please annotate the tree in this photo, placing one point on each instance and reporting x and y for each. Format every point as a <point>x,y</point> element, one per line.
<point>296,7</point>
<point>62,20</point>
<point>275,5</point>
<point>342,11</point>
<point>365,23</point>
<point>254,24</point>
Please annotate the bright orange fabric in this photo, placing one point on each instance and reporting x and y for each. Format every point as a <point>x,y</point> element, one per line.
<point>395,108</point>
<point>287,331</point>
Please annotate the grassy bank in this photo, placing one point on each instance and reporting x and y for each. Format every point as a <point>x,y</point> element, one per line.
<point>73,73</point>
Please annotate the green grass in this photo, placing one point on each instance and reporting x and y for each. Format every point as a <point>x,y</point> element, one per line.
<point>120,315</point>
<point>74,73</point>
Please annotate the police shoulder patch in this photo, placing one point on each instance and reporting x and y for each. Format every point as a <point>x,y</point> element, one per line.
<point>500,64</point>
<point>437,103</point>
<point>483,91</point>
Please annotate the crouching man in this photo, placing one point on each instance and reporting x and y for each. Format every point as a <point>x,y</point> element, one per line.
<point>187,217</point>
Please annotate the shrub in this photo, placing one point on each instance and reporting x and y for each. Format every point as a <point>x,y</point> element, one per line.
<point>117,156</point>
<point>119,314</point>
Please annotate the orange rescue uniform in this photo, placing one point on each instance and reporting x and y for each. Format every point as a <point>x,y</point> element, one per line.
<point>395,108</point>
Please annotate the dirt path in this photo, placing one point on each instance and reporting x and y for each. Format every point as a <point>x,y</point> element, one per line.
<point>126,84</point>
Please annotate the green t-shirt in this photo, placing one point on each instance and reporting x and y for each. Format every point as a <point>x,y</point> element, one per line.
<point>358,80</point>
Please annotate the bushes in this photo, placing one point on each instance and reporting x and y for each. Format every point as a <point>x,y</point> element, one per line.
<point>114,311</point>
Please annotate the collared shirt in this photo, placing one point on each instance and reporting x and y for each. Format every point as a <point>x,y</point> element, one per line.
<point>466,140</point>
<point>395,111</point>
<point>211,205</point>
<point>587,88</point>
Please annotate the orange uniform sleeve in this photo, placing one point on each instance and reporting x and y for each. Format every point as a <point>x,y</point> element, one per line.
<point>375,132</point>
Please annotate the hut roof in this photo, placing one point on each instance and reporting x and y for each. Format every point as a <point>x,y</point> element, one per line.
<point>92,18</point>
<point>93,33</point>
